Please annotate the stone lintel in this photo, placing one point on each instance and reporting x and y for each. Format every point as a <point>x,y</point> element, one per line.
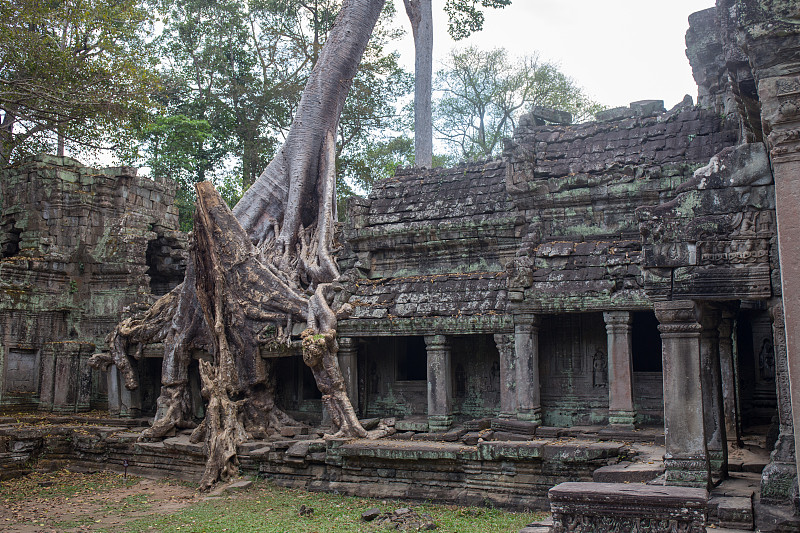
<point>463,325</point>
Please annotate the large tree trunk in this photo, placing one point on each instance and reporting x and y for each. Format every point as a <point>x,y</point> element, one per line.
<point>420,14</point>
<point>256,271</point>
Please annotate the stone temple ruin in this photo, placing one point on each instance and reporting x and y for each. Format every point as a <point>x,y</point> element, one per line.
<point>550,316</point>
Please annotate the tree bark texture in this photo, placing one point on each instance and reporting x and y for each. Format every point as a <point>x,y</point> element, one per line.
<point>253,273</point>
<point>421,17</point>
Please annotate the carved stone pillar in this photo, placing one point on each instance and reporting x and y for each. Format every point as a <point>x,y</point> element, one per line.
<point>526,347</point>
<point>440,389</point>
<point>727,366</point>
<point>685,460</point>
<point>620,369</point>
<point>508,383</point>
<point>348,362</point>
<point>713,411</point>
<point>779,96</point>
<point>780,476</point>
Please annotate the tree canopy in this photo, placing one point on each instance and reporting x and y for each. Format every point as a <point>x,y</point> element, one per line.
<point>235,73</point>
<point>483,93</point>
<point>72,71</point>
<point>465,17</point>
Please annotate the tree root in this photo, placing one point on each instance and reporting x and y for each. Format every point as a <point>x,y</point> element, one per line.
<point>319,354</point>
<point>267,265</point>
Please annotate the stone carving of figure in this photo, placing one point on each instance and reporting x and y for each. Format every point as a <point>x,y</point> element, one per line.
<point>461,381</point>
<point>495,379</point>
<point>599,369</point>
<point>766,360</point>
<point>374,378</point>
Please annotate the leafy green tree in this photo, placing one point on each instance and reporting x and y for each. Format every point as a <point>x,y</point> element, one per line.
<point>241,67</point>
<point>464,18</point>
<point>485,92</point>
<point>72,72</point>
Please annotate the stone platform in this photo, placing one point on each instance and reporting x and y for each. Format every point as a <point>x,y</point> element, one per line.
<point>507,473</point>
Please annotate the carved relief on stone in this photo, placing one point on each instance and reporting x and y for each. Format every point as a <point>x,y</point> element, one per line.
<point>733,252</point>
<point>520,272</point>
<point>781,368</point>
<point>677,317</point>
<point>599,369</point>
<point>753,223</point>
<point>579,523</point>
<point>670,254</point>
<point>788,86</point>
<point>766,360</point>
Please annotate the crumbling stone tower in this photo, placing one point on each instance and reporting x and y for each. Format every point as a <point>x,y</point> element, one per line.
<point>77,246</point>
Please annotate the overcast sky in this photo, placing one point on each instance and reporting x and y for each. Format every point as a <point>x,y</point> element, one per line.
<point>619,51</point>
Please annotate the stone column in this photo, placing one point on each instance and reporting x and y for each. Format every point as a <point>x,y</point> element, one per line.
<point>440,388</point>
<point>727,366</point>
<point>47,380</point>
<point>620,369</point>
<point>685,460</point>
<point>348,362</point>
<point>526,347</point>
<point>130,401</point>
<point>508,384</point>
<point>713,411</point>
<point>84,380</point>
<point>779,95</point>
<point>779,477</point>
<point>65,377</point>
<point>114,384</point>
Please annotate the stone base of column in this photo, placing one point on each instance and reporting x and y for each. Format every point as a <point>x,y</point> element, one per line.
<point>531,415</point>
<point>716,460</point>
<point>687,472</point>
<point>506,416</point>
<point>777,483</point>
<point>623,419</point>
<point>437,423</point>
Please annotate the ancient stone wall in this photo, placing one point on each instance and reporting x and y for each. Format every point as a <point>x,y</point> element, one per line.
<point>78,245</point>
<point>576,187</point>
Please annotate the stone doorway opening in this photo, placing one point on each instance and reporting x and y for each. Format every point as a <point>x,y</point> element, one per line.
<point>10,239</point>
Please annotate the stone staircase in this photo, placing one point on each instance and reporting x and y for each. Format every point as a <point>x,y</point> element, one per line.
<point>730,505</point>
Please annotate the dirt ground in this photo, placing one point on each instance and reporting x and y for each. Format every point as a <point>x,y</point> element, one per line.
<point>100,502</point>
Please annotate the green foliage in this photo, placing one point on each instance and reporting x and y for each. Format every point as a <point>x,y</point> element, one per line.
<point>465,16</point>
<point>181,148</point>
<point>234,78</point>
<point>485,92</point>
<point>106,502</point>
<point>267,508</point>
<point>75,69</point>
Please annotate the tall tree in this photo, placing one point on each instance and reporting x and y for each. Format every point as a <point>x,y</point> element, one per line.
<point>465,17</point>
<point>71,71</point>
<point>251,273</point>
<point>241,68</point>
<point>421,17</point>
<point>485,92</point>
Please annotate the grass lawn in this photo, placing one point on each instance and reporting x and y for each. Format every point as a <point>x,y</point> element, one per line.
<point>67,501</point>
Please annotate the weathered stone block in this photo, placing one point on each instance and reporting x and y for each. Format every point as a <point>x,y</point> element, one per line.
<point>621,508</point>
